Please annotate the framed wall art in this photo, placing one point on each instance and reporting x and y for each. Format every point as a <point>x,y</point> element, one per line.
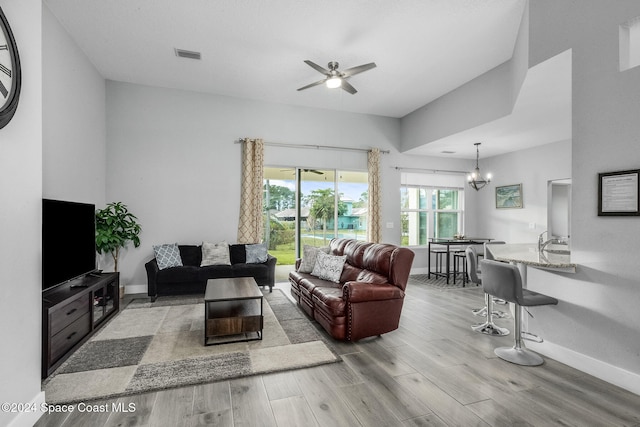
<point>618,193</point>
<point>509,197</point>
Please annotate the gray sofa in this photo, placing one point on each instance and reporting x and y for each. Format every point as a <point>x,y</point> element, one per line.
<point>192,279</point>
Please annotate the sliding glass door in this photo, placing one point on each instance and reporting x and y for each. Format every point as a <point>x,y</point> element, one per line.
<point>310,207</point>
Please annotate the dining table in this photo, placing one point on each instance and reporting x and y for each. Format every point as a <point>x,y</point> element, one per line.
<point>448,242</point>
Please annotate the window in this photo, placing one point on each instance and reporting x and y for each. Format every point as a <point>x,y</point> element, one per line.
<point>429,211</point>
<point>312,206</point>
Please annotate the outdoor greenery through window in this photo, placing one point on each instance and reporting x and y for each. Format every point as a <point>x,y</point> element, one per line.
<point>428,211</point>
<point>310,207</point>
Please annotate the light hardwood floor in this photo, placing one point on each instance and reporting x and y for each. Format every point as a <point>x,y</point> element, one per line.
<point>433,371</point>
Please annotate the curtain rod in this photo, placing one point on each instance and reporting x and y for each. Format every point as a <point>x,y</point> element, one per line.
<point>430,170</point>
<point>316,147</point>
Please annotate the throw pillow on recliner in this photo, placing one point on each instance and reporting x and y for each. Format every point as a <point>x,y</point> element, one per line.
<point>215,254</point>
<point>309,255</point>
<point>329,267</point>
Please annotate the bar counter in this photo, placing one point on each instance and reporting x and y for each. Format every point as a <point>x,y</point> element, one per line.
<point>527,254</point>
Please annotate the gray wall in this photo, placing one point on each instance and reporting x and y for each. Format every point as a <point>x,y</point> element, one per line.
<point>595,326</point>
<point>532,168</point>
<point>20,219</point>
<point>172,159</point>
<point>73,120</point>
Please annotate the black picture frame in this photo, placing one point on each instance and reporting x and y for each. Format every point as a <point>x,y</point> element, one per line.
<point>619,193</point>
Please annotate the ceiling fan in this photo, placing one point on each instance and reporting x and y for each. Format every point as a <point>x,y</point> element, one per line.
<point>317,172</point>
<point>335,78</point>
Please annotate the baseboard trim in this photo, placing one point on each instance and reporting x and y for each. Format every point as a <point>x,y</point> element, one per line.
<point>420,270</point>
<point>135,289</point>
<point>29,418</point>
<point>612,374</point>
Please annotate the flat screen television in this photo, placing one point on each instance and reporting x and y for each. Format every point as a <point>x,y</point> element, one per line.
<point>68,241</point>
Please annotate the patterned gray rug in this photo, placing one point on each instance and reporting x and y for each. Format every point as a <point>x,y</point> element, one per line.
<point>154,346</point>
<point>438,282</point>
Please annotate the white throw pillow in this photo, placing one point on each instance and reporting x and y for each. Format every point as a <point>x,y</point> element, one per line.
<point>329,267</point>
<point>309,254</point>
<point>215,254</point>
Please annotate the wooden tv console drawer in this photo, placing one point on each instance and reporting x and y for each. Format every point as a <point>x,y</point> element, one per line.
<point>65,315</point>
<point>73,312</point>
<point>70,336</point>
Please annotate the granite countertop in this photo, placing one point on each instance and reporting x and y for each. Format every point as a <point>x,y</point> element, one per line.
<point>527,253</point>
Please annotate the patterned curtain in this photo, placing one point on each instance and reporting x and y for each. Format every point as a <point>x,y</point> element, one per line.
<point>250,225</point>
<point>374,228</point>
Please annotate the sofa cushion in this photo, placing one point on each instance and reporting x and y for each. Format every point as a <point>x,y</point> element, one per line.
<point>257,271</point>
<point>256,254</point>
<point>178,274</point>
<point>215,272</point>
<point>215,254</point>
<point>377,258</point>
<point>371,277</point>
<point>191,255</point>
<point>167,255</point>
<point>309,256</point>
<point>329,300</point>
<point>329,267</point>
<point>349,273</point>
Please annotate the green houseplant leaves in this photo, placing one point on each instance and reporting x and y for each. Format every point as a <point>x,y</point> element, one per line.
<point>115,228</point>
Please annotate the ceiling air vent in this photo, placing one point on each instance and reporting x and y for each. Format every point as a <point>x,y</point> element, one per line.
<point>187,54</point>
<point>448,152</point>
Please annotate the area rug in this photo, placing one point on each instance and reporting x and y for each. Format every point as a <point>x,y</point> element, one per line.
<point>155,346</point>
<point>438,282</point>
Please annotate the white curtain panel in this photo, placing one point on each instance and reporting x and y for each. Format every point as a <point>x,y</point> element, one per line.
<point>374,229</point>
<point>250,225</point>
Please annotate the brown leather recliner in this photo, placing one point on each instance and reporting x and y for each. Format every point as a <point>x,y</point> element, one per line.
<point>368,300</point>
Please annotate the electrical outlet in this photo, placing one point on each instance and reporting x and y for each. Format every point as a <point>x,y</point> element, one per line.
<point>389,225</point>
<point>532,226</point>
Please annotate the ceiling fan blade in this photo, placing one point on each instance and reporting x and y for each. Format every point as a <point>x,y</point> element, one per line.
<point>359,69</point>
<point>317,67</point>
<point>347,86</point>
<point>317,172</point>
<point>313,84</point>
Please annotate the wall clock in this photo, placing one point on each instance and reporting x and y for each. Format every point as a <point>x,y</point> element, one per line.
<point>10,75</point>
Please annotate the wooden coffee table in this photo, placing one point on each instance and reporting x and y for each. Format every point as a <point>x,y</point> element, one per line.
<point>233,309</point>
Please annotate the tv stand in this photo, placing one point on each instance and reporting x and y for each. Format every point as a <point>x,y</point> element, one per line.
<point>73,312</point>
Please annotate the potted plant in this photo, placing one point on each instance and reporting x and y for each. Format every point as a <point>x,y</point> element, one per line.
<point>115,228</point>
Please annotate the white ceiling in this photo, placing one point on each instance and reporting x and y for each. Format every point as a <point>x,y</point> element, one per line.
<point>255,49</point>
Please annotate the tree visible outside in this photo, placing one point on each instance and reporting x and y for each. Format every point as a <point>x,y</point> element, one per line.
<point>316,210</point>
<point>322,208</point>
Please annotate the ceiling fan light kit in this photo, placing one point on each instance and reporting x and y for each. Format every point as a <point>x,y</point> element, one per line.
<point>476,181</point>
<point>335,78</point>
<point>334,82</point>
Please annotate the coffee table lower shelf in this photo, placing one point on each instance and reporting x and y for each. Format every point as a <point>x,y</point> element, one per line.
<point>239,320</point>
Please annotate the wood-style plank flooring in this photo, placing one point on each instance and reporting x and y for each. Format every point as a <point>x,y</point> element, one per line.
<point>433,371</point>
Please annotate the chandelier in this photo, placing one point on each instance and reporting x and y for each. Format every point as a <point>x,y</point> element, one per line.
<point>475,179</point>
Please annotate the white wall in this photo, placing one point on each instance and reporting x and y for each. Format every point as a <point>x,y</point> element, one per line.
<point>488,97</point>
<point>595,325</point>
<point>173,161</point>
<point>532,168</point>
<point>73,119</point>
<point>20,216</point>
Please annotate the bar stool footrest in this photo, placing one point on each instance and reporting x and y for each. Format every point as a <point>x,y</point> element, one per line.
<point>490,329</point>
<point>531,337</point>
